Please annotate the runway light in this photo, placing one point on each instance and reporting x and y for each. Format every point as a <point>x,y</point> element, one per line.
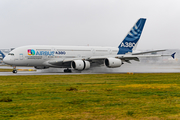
<point>130,73</point>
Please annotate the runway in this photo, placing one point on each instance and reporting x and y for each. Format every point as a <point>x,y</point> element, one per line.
<point>128,68</point>
<point>38,73</point>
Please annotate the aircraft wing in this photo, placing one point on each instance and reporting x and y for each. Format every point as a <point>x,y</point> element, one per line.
<point>129,57</point>
<point>154,51</point>
<point>125,58</point>
<point>61,61</point>
<point>55,62</point>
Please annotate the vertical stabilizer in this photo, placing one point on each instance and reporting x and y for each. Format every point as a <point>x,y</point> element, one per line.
<point>130,41</point>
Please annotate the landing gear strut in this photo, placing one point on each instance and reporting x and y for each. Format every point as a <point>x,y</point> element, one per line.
<point>67,70</point>
<point>14,69</point>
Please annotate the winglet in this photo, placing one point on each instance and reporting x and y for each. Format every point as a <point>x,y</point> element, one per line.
<point>173,55</point>
<point>3,55</point>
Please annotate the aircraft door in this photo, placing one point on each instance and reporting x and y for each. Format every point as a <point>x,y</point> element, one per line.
<point>93,51</point>
<point>110,51</point>
<point>21,56</point>
<point>44,57</point>
<point>53,49</point>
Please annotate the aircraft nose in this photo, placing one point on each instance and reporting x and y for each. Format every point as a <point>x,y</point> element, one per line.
<point>6,60</point>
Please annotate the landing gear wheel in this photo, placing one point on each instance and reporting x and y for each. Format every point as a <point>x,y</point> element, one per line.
<point>67,70</point>
<point>14,71</point>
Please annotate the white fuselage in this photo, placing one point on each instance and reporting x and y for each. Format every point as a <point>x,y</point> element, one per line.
<point>39,55</point>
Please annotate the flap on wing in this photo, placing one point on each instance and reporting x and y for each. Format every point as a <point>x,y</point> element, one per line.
<point>154,51</point>
<point>122,57</point>
<point>98,57</point>
<point>62,61</point>
<point>55,62</point>
<point>125,57</point>
<point>130,58</point>
<point>71,59</point>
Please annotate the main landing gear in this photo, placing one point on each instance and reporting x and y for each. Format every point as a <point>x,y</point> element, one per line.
<point>14,69</point>
<point>67,70</point>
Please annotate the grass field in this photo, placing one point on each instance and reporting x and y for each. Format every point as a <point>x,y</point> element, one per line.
<point>10,70</point>
<point>81,97</point>
<point>6,70</point>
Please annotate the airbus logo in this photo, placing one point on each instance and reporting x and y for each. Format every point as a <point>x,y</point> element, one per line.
<point>128,44</point>
<point>46,53</point>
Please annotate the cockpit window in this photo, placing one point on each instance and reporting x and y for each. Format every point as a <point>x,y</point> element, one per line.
<point>12,54</point>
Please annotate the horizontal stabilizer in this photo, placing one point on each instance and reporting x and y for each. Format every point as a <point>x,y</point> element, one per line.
<point>173,55</point>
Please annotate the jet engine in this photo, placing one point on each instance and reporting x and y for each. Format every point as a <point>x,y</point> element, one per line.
<point>80,64</point>
<point>113,62</point>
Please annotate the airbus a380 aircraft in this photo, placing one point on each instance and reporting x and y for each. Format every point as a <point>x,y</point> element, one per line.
<point>79,57</point>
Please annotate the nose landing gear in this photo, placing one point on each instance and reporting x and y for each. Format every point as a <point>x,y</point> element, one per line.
<point>14,69</point>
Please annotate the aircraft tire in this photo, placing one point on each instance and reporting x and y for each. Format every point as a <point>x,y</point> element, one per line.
<point>67,71</point>
<point>14,71</point>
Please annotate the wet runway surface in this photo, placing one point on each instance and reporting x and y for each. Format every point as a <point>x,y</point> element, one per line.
<point>128,68</point>
<point>37,73</point>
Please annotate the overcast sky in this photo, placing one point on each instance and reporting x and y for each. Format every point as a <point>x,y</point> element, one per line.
<point>88,22</point>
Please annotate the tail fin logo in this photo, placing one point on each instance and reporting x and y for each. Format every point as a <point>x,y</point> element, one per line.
<point>130,41</point>
<point>2,54</point>
<point>135,32</point>
<point>128,44</point>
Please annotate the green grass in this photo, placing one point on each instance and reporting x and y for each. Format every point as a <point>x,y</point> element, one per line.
<point>6,70</point>
<point>104,97</point>
<point>10,70</point>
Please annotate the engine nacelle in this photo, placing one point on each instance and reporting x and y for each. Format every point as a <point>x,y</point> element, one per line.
<point>113,62</point>
<point>80,64</point>
<point>41,67</point>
